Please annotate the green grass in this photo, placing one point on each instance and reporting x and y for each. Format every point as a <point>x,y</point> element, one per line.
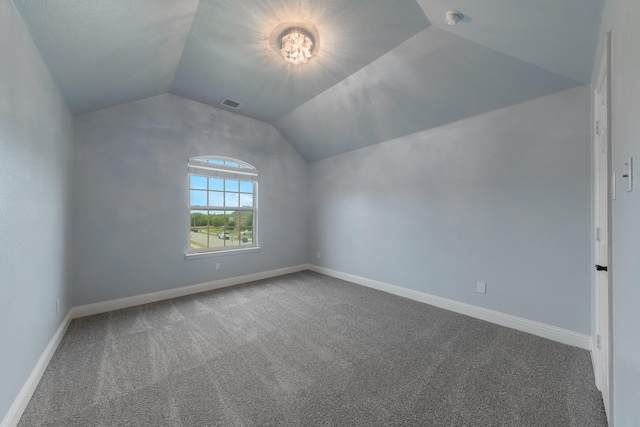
<point>198,244</point>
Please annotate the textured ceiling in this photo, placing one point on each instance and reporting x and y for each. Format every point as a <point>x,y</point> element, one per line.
<point>228,54</point>
<point>559,35</point>
<point>433,79</point>
<point>108,52</point>
<point>385,69</point>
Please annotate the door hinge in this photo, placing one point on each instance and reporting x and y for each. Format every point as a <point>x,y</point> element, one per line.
<point>598,234</point>
<point>597,127</point>
<point>598,341</point>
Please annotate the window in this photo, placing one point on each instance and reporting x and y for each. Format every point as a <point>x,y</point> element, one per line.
<point>222,204</point>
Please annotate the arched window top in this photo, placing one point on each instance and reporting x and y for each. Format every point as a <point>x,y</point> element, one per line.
<point>224,167</point>
<point>221,161</point>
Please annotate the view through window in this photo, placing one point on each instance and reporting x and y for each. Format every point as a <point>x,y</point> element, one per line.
<point>222,204</point>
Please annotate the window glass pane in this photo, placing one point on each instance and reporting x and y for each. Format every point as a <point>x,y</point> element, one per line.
<point>246,227</point>
<point>231,200</point>
<point>246,200</point>
<point>230,185</point>
<point>216,198</point>
<point>246,219</point>
<point>223,234</point>
<point>216,184</point>
<point>198,218</point>
<point>219,239</point>
<point>198,182</point>
<point>216,162</point>
<point>233,224</point>
<point>246,235</point>
<point>198,198</point>
<point>217,221</point>
<point>198,232</point>
<point>235,165</point>
<point>235,217</point>
<point>246,186</point>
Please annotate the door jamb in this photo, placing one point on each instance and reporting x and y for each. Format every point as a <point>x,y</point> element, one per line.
<point>604,70</point>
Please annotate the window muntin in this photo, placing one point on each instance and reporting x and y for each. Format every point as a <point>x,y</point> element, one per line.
<point>222,204</point>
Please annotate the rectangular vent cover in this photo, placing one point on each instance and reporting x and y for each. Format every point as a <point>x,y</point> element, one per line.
<point>229,103</point>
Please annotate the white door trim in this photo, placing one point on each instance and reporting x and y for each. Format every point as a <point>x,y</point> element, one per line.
<point>602,187</point>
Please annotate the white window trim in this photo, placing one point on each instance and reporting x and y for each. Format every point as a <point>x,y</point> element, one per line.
<point>198,255</point>
<point>220,171</point>
<point>245,172</point>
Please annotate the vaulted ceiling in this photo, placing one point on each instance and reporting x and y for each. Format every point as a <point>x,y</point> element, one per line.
<point>384,69</point>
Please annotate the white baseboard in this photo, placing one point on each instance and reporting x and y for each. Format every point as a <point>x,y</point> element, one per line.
<point>12,417</point>
<point>554,333</point>
<point>117,304</point>
<point>536,328</point>
<point>594,365</point>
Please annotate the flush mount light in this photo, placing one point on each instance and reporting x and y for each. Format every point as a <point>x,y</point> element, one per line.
<point>453,16</point>
<point>296,45</point>
<point>296,42</point>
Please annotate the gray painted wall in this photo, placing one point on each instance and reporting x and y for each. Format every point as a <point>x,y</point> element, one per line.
<point>620,18</point>
<point>35,188</point>
<point>502,198</point>
<point>130,209</point>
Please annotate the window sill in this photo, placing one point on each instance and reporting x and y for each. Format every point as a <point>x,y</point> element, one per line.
<point>221,253</point>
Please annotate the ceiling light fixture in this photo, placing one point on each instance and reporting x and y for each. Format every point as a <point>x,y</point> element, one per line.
<point>296,42</point>
<point>453,16</point>
<point>296,45</point>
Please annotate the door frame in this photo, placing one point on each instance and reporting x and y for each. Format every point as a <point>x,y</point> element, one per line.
<point>603,324</point>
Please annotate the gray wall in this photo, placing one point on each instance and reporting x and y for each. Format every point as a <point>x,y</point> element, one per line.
<point>620,17</point>
<point>502,198</point>
<point>130,209</point>
<point>35,172</point>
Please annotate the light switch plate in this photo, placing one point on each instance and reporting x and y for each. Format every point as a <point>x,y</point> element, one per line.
<point>629,174</point>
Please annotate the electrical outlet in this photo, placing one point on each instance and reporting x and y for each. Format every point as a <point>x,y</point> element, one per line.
<point>481,287</point>
<point>57,306</point>
<point>217,266</point>
<point>318,255</point>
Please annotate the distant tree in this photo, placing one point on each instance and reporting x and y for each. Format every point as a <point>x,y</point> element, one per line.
<point>231,224</point>
<point>249,221</point>
<point>198,219</point>
<point>217,220</point>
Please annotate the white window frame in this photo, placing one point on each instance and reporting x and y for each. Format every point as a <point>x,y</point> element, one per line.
<point>245,172</point>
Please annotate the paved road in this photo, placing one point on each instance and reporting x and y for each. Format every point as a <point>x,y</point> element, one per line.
<point>214,241</point>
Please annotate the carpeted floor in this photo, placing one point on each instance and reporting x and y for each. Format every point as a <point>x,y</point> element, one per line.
<point>306,349</point>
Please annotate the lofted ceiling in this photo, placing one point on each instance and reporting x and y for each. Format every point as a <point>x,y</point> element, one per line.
<point>384,69</point>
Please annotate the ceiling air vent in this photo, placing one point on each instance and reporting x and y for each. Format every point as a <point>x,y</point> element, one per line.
<point>229,103</point>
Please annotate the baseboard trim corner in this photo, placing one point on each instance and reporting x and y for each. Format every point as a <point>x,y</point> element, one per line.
<point>21,401</point>
<point>543,330</point>
<point>120,303</point>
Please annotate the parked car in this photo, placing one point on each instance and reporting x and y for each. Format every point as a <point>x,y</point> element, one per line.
<point>246,232</point>
<point>226,235</point>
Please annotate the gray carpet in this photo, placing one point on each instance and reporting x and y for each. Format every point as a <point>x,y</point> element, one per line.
<point>306,349</point>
